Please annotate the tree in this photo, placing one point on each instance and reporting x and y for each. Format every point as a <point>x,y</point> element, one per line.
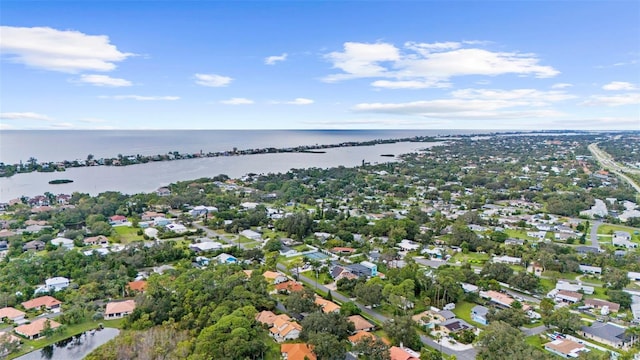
<point>332,323</point>
<point>500,340</point>
<point>328,347</point>
<point>350,308</point>
<point>402,330</point>
<point>498,271</point>
<point>546,309</point>
<point>47,330</point>
<point>369,293</point>
<point>565,320</point>
<point>512,316</point>
<point>372,349</point>
<point>615,278</point>
<point>524,281</point>
<point>620,297</point>
<point>300,301</point>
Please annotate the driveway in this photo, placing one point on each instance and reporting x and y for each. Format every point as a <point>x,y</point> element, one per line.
<point>460,355</point>
<point>594,234</point>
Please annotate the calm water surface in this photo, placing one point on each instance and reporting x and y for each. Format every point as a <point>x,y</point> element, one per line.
<point>73,348</point>
<point>148,177</point>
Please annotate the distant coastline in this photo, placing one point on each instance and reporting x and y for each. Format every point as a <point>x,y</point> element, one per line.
<point>32,165</point>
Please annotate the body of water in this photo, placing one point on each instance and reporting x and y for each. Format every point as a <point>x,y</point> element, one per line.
<point>148,177</point>
<point>54,145</point>
<point>73,348</point>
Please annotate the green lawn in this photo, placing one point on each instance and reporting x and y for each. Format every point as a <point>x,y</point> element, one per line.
<point>608,229</point>
<point>125,234</point>
<point>31,345</point>
<point>519,234</point>
<point>243,240</point>
<point>536,340</point>
<point>463,311</point>
<point>471,257</point>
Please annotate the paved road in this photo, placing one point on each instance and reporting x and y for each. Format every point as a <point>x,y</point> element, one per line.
<point>460,355</point>
<point>594,234</point>
<point>214,235</point>
<point>609,163</point>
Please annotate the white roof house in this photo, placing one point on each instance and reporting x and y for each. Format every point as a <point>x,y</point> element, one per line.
<point>563,285</point>
<point>64,242</point>
<point>206,246</point>
<point>586,269</point>
<point>251,234</point>
<point>176,228</point>
<point>623,238</point>
<point>507,259</point>
<point>408,245</point>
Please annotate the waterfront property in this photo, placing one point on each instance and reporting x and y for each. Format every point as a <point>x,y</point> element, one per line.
<point>119,309</point>
<point>35,329</point>
<point>12,314</point>
<point>48,302</point>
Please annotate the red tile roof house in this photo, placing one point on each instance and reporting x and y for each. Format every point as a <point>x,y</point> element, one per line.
<point>96,240</point>
<point>139,285</point>
<point>120,309</point>
<point>49,302</point>
<point>297,352</point>
<point>34,330</point>
<point>12,314</point>
<point>117,219</point>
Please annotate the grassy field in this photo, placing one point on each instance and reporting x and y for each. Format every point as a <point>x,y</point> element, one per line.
<point>70,330</point>
<point>471,258</point>
<point>463,311</point>
<point>519,234</point>
<point>608,229</point>
<point>536,340</point>
<point>125,234</point>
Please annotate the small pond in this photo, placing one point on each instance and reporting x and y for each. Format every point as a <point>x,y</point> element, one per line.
<point>73,348</point>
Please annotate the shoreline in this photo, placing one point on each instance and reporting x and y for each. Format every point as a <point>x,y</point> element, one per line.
<point>11,170</point>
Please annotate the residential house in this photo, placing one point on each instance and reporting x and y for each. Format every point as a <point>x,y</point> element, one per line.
<point>623,239</point>
<point>408,245</point>
<point>161,221</point>
<point>327,306</point>
<point>633,276</point>
<point>570,297</point>
<point>117,220</point>
<point>609,334</point>
<point>119,309</point>
<point>403,353</point>
<point>360,323</point>
<point>96,240</point>
<point>470,288</point>
<point>564,285</point>
<point>253,235</point>
<point>497,298</point>
<point>512,241</point>
<point>137,286</point>
<point>53,284</point>
<point>163,191</point>
<point>34,330</point>
<point>373,268</point>
<point>275,277</point>
<point>479,314</point>
<point>507,260</point>
<point>176,228</point>
<point>565,348</point>
<point>602,304</point>
<point>150,215</point>
<point>202,210</point>
<point>359,335</point>
<point>49,302</point>
<point>12,314</point>
<point>205,246</point>
<point>297,352</point>
<point>586,249</point>
<point>289,287</point>
<point>594,270</point>
<point>63,242</point>
<point>284,329</point>
<point>343,250</point>
<point>454,325</point>
<point>225,258</point>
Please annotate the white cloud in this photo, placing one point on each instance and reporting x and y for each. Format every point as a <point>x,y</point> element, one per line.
<point>24,116</point>
<point>408,84</point>
<point>619,85</point>
<point>237,101</point>
<point>420,65</point>
<point>64,125</point>
<point>140,97</point>
<point>477,104</point>
<point>103,80</point>
<point>212,80</point>
<point>272,60</point>
<point>56,50</point>
<point>93,120</point>
<point>561,86</point>
<point>296,101</point>
<point>614,100</point>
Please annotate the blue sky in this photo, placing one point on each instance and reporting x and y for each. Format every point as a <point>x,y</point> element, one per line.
<point>320,64</point>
